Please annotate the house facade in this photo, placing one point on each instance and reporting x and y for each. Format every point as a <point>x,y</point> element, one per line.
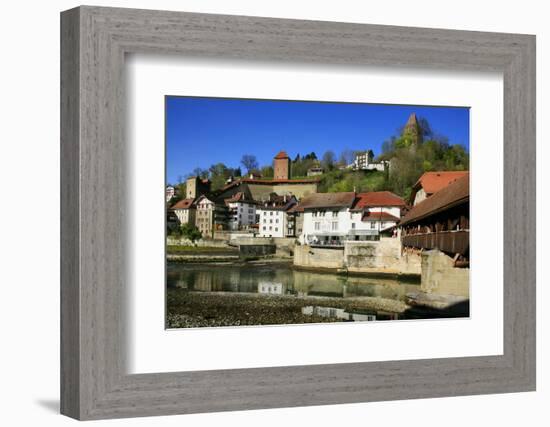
<point>170,192</point>
<point>374,213</point>
<point>330,219</point>
<point>185,211</point>
<point>326,218</point>
<point>431,182</point>
<point>204,219</point>
<point>242,212</point>
<point>274,218</point>
<point>365,161</point>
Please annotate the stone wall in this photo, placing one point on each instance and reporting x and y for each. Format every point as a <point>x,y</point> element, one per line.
<point>180,241</point>
<point>306,256</point>
<point>262,191</point>
<point>440,277</point>
<point>382,256</point>
<point>256,250</point>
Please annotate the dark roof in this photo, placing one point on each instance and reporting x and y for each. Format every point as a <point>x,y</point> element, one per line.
<point>184,204</point>
<point>378,198</point>
<point>296,208</point>
<point>282,155</point>
<point>378,216</point>
<point>454,194</point>
<point>432,182</point>
<point>278,203</point>
<point>238,197</point>
<point>328,200</point>
<point>269,182</point>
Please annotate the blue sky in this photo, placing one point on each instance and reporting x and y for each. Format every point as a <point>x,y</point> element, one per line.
<point>204,131</point>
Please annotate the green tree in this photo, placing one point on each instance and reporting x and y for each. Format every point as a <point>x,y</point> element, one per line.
<point>329,160</point>
<point>190,232</point>
<point>267,171</point>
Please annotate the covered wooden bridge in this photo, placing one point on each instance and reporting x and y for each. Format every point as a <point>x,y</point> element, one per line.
<point>442,221</point>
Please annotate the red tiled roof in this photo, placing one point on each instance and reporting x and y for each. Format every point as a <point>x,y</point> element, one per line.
<point>327,200</point>
<point>378,198</point>
<point>454,194</point>
<point>183,204</point>
<point>432,182</point>
<point>378,216</point>
<point>282,155</point>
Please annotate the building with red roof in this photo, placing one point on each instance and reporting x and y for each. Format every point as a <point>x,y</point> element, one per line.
<point>281,166</point>
<point>431,182</point>
<point>185,211</point>
<point>329,219</point>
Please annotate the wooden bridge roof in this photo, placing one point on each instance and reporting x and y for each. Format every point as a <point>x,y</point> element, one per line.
<point>454,194</point>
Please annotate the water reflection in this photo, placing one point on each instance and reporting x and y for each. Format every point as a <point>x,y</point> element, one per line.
<point>280,279</point>
<point>347,316</point>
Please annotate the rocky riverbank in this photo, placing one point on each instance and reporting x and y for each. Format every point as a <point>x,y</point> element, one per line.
<point>198,309</point>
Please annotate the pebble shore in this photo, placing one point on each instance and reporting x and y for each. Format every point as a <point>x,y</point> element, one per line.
<point>199,309</point>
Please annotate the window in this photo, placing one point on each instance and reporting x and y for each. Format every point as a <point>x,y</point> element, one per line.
<point>317,226</point>
<point>353,225</point>
<point>271,213</point>
<point>335,214</point>
<point>264,227</point>
<point>271,221</point>
<point>372,225</point>
<point>270,228</point>
<point>276,229</point>
<point>314,214</point>
<point>334,225</point>
<point>277,220</point>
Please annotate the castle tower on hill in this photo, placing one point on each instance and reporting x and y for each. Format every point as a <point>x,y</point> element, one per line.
<point>281,166</point>
<point>412,128</point>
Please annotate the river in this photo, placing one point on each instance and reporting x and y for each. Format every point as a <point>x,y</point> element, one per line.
<point>255,294</point>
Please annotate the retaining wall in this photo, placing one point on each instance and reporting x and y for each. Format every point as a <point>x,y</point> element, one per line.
<point>440,277</point>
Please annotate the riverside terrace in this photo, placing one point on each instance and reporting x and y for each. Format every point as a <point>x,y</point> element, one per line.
<point>330,219</point>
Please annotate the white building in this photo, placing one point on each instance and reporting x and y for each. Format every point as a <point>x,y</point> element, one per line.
<point>170,192</point>
<point>332,218</point>
<point>365,161</point>
<point>185,211</point>
<point>242,212</point>
<point>327,219</point>
<point>273,216</point>
<point>375,212</point>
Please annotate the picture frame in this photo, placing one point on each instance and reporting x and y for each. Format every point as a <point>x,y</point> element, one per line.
<point>94,42</point>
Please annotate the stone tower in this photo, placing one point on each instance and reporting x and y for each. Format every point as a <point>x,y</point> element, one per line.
<point>281,166</point>
<point>412,128</point>
<point>196,186</point>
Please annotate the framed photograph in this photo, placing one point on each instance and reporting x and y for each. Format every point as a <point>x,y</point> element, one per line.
<point>261,213</point>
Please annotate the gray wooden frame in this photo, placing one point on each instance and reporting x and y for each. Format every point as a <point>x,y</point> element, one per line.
<point>94,41</point>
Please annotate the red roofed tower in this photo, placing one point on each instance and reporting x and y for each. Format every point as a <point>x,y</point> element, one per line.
<point>281,166</point>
